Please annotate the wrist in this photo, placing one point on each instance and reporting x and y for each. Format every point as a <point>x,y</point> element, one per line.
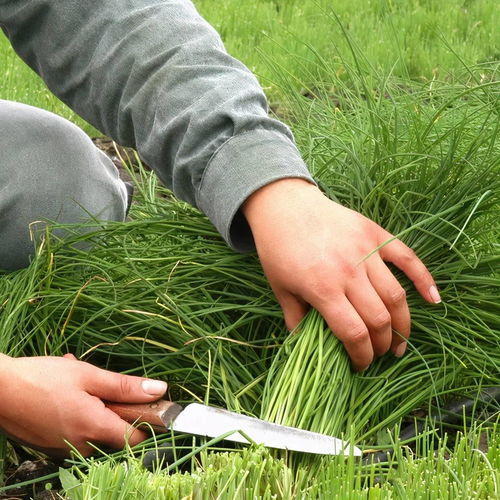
<point>274,196</point>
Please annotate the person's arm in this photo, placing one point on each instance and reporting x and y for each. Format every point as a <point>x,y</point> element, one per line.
<point>154,75</point>
<point>45,401</point>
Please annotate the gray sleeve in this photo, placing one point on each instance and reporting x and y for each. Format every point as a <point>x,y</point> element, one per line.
<point>155,76</point>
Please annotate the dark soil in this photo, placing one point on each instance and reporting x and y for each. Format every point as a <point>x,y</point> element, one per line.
<point>31,470</point>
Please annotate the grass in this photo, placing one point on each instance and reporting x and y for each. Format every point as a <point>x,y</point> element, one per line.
<point>404,38</point>
<point>416,150</point>
<point>464,472</point>
<point>416,40</point>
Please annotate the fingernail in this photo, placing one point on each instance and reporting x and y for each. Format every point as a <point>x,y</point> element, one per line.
<point>154,387</point>
<point>433,292</point>
<point>400,349</point>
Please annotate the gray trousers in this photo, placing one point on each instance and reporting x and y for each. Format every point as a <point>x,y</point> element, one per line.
<point>49,171</point>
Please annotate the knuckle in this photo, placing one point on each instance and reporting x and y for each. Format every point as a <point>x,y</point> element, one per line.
<point>125,385</point>
<point>397,295</point>
<point>409,256</point>
<point>382,321</point>
<point>348,270</point>
<point>314,268</point>
<point>320,289</point>
<point>94,433</point>
<point>358,334</point>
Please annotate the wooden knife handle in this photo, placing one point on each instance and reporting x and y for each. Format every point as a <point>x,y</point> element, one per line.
<point>158,414</point>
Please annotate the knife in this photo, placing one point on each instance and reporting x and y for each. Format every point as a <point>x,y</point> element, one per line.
<point>203,420</point>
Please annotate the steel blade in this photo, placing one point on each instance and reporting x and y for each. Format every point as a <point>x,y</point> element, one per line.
<point>213,422</point>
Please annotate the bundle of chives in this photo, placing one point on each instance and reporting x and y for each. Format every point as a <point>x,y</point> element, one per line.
<point>310,380</point>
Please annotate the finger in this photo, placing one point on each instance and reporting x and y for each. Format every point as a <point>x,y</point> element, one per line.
<point>293,308</point>
<point>373,312</point>
<point>70,356</point>
<point>122,388</point>
<point>349,328</point>
<point>393,295</point>
<point>405,259</point>
<point>114,432</point>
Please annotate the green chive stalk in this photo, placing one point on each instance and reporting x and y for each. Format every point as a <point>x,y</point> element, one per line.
<point>310,380</point>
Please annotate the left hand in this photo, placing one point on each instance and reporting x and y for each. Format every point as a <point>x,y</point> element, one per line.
<point>314,253</point>
<point>47,402</point>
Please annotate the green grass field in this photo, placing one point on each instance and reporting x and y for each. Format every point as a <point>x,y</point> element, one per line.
<point>395,108</point>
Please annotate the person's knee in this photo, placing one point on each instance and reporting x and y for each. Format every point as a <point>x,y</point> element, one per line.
<point>49,171</point>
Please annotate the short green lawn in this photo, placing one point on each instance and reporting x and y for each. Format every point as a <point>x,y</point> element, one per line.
<point>395,108</point>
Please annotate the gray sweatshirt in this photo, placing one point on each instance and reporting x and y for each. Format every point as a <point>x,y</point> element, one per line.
<point>155,76</point>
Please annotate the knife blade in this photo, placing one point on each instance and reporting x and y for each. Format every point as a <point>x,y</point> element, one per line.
<point>203,420</point>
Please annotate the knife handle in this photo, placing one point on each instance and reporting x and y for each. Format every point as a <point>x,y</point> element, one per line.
<point>158,414</point>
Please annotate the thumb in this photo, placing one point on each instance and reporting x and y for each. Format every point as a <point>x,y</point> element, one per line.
<point>120,388</point>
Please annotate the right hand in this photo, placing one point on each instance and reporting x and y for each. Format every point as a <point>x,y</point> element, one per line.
<point>314,252</point>
<point>45,401</point>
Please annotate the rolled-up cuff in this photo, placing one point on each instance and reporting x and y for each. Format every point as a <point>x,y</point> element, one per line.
<point>241,166</point>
